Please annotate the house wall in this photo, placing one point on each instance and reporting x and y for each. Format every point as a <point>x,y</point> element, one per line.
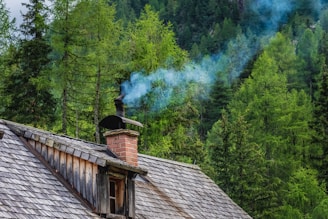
<point>80,173</point>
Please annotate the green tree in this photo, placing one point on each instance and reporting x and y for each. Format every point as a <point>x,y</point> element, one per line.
<point>282,50</point>
<point>320,126</point>
<point>279,123</point>
<point>308,51</point>
<point>304,195</point>
<point>171,133</point>
<point>6,27</point>
<point>27,86</point>
<point>211,108</point>
<point>152,44</point>
<point>324,20</point>
<point>239,164</point>
<point>88,58</point>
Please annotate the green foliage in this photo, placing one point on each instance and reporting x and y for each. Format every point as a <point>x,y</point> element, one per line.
<point>252,135</point>
<point>6,27</point>
<point>211,108</point>
<point>171,133</point>
<point>27,85</point>
<point>238,163</point>
<point>279,122</point>
<point>320,126</point>
<point>321,211</point>
<point>308,51</point>
<point>86,69</point>
<point>324,20</point>
<point>152,44</point>
<point>304,195</point>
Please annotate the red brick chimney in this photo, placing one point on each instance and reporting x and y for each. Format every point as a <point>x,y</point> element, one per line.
<point>124,144</point>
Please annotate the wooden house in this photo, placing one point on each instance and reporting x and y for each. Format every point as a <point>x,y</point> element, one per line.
<point>45,175</point>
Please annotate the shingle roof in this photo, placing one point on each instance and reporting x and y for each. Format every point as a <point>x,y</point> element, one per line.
<point>181,188</point>
<point>28,189</point>
<point>169,190</point>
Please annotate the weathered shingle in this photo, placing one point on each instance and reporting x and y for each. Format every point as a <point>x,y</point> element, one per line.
<point>183,189</point>
<point>169,190</point>
<point>28,189</point>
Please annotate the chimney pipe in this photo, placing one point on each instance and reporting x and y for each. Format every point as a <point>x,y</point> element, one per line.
<point>119,106</point>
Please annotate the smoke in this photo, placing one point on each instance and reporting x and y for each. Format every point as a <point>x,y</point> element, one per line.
<point>164,84</point>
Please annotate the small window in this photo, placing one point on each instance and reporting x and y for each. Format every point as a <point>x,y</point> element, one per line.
<point>112,196</point>
<point>111,192</point>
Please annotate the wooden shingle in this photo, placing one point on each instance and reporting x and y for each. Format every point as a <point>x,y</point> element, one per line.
<point>163,188</point>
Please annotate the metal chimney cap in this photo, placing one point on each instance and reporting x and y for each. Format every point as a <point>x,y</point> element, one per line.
<point>117,122</point>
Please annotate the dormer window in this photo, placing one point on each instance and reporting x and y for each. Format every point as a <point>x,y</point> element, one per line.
<point>112,196</point>
<point>115,195</point>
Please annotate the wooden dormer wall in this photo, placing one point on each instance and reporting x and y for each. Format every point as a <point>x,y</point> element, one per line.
<point>80,173</point>
<point>84,177</point>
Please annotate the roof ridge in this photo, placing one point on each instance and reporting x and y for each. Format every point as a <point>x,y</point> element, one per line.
<point>50,133</point>
<point>85,152</point>
<point>192,166</point>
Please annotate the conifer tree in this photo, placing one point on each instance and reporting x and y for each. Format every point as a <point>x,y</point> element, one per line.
<point>239,164</point>
<point>6,27</point>
<point>308,52</point>
<point>27,86</point>
<point>279,122</point>
<point>320,126</point>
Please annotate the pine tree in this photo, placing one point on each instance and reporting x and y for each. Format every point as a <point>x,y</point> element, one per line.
<point>89,59</point>
<point>279,122</point>
<point>211,108</point>
<point>27,86</point>
<point>6,27</point>
<point>153,44</point>
<point>308,51</point>
<point>62,40</point>
<point>238,163</point>
<point>320,126</point>
<point>305,194</point>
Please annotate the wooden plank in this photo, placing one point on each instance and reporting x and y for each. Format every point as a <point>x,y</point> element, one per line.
<point>50,156</point>
<point>94,183</point>
<point>44,152</point>
<point>131,197</point>
<point>32,143</point>
<point>103,206</point>
<point>88,180</point>
<point>69,165</point>
<point>62,161</point>
<point>82,178</point>
<point>38,147</point>
<point>56,159</point>
<point>76,173</point>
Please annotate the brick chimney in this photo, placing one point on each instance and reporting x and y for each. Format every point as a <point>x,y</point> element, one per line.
<point>121,141</point>
<point>124,144</point>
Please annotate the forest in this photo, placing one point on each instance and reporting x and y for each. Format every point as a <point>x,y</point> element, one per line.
<point>237,87</point>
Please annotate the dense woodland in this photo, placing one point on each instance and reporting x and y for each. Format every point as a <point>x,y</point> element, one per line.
<point>238,87</point>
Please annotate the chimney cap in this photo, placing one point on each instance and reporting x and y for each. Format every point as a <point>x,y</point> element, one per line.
<point>117,122</point>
